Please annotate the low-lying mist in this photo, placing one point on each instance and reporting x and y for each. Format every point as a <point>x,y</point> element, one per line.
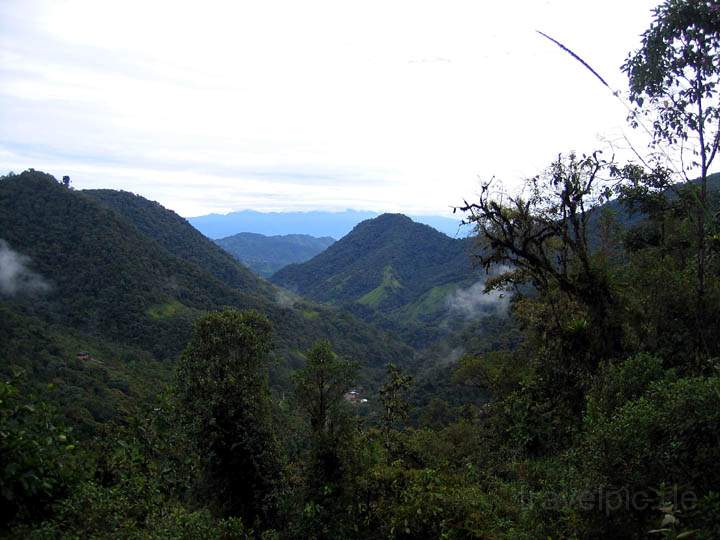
<point>15,276</point>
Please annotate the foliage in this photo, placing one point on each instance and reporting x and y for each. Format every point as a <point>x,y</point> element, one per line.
<point>543,238</point>
<point>664,440</point>
<point>36,453</point>
<point>499,372</point>
<point>591,411</point>
<point>134,486</point>
<point>223,397</point>
<point>676,72</point>
<point>87,393</point>
<point>321,388</point>
<point>395,407</point>
<point>618,384</point>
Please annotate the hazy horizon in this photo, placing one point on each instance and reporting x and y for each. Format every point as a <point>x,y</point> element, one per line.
<point>315,223</point>
<point>334,211</point>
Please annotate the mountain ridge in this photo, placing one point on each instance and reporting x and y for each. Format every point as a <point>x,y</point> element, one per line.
<point>265,255</point>
<point>130,299</point>
<point>400,275</point>
<point>314,223</point>
<point>175,234</point>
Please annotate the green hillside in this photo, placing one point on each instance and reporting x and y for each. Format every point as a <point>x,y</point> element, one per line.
<point>265,255</point>
<point>393,272</point>
<point>390,258</point>
<point>179,238</point>
<point>124,279</point>
<point>104,274</point>
<point>153,388</point>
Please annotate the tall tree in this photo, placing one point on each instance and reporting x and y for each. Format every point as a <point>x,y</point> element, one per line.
<point>393,396</point>
<point>542,235</point>
<point>321,387</point>
<point>320,392</point>
<point>222,394</point>
<point>674,78</point>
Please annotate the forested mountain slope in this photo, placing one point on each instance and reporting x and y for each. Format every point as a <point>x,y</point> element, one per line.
<point>589,408</point>
<point>106,277</point>
<point>178,237</point>
<point>89,279</point>
<point>265,255</point>
<point>385,262</point>
<point>398,274</point>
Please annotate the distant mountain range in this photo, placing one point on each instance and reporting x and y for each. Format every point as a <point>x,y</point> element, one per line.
<point>318,224</point>
<point>265,255</point>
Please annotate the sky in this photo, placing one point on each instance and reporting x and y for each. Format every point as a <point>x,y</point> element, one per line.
<point>316,105</point>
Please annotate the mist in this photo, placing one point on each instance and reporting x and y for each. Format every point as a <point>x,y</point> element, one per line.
<point>15,276</point>
<point>474,303</point>
<point>285,299</point>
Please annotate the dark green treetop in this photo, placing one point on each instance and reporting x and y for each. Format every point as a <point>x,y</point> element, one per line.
<point>222,394</point>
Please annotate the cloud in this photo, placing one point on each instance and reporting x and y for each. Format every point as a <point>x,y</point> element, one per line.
<point>285,299</point>
<point>453,356</point>
<point>273,107</point>
<point>15,276</point>
<point>474,303</point>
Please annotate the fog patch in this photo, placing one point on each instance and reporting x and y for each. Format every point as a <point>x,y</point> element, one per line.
<point>285,299</point>
<point>474,303</point>
<point>453,356</point>
<point>15,276</point>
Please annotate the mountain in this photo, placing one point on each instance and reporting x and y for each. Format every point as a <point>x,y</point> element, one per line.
<point>265,255</point>
<point>106,277</point>
<point>318,224</point>
<point>385,262</point>
<point>174,234</point>
<point>122,278</point>
<point>399,274</point>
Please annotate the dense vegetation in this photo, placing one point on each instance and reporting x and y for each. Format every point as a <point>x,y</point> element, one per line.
<point>399,275</point>
<point>265,255</point>
<point>173,233</point>
<point>594,412</point>
<point>383,262</point>
<point>123,279</point>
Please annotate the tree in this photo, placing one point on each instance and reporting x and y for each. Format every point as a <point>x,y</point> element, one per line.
<point>222,394</point>
<point>674,80</point>
<point>394,403</point>
<point>37,455</point>
<point>543,237</point>
<point>322,385</point>
<point>496,372</point>
<point>320,391</point>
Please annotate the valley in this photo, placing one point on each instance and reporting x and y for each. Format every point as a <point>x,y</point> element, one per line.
<point>442,279</point>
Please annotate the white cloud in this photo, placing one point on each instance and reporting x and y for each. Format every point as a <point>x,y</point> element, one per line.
<point>293,105</point>
<point>474,303</point>
<point>15,276</point>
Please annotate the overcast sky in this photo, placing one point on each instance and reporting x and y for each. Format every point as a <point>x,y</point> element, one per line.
<point>389,105</point>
